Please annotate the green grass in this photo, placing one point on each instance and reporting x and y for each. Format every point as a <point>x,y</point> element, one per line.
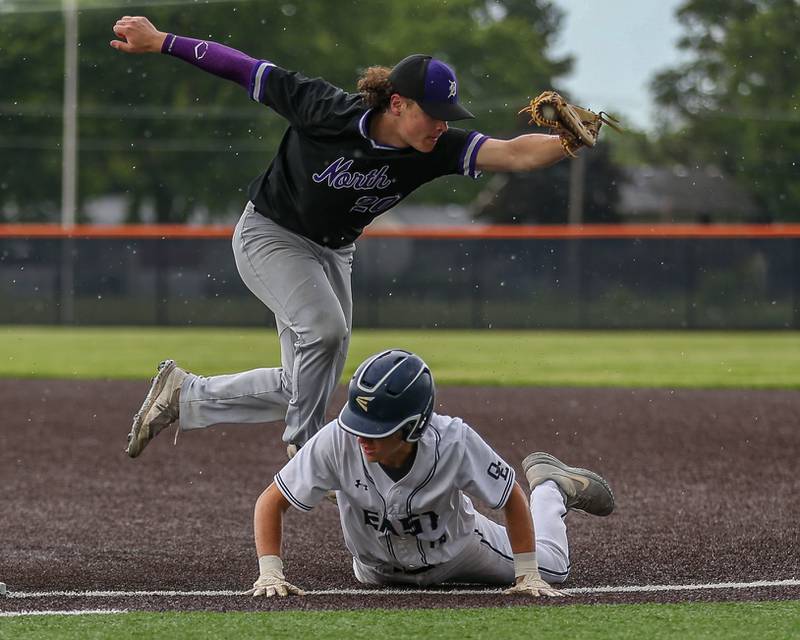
<point>545,358</point>
<point>763,620</point>
<point>488,357</point>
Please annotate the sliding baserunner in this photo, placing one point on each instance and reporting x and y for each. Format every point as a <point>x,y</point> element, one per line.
<point>404,477</point>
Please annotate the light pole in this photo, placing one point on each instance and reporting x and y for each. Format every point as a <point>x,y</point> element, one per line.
<point>69,159</point>
<point>577,179</point>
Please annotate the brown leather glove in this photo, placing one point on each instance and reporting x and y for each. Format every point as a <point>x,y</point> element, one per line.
<point>577,127</point>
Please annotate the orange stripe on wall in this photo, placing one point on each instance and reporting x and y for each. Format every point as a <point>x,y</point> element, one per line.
<point>114,231</point>
<point>596,231</point>
<point>424,232</point>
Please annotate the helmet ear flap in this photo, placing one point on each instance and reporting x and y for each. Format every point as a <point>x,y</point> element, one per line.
<point>414,431</point>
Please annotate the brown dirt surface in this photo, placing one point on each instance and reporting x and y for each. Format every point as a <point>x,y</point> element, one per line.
<point>706,485</point>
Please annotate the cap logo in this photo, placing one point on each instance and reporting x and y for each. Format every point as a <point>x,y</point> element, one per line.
<point>432,83</point>
<point>452,93</point>
<point>363,402</point>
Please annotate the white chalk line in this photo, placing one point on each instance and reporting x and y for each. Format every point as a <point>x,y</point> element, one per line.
<point>792,582</point>
<point>73,612</point>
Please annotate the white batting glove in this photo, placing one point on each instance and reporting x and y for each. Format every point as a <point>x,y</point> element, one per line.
<point>529,582</point>
<point>271,581</point>
<point>533,585</point>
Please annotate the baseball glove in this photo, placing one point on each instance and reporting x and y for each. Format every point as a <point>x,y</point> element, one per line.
<point>577,127</point>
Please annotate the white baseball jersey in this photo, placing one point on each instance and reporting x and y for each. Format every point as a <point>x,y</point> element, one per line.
<point>423,520</point>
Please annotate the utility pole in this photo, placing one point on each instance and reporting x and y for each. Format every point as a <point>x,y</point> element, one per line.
<point>577,177</point>
<point>69,159</point>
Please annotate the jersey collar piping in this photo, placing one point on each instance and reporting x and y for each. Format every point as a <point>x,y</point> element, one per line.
<point>363,128</point>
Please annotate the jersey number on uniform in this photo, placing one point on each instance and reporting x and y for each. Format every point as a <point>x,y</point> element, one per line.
<point>374,204</point>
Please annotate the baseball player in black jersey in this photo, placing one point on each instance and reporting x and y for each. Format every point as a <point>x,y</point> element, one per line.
<point>345,158</point>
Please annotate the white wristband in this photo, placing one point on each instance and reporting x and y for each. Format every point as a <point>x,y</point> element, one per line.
<point>270,565</point>
<point>525,564</point>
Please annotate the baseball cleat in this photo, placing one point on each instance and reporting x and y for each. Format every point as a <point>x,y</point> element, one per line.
<point>159,409</point>
<point>583,490</point>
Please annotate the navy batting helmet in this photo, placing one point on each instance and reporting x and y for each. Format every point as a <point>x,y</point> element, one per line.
<point>391,391</point>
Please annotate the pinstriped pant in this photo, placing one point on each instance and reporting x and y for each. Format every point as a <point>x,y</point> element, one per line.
<point>487,558</point>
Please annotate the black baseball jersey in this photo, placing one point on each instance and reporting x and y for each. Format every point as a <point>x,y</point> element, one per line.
<point>329,179</point>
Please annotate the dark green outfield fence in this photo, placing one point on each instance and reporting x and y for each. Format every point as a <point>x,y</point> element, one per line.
<point>709,278</point>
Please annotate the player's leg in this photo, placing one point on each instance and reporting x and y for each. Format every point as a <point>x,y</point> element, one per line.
<point>367,575</point>
<point>321,323</point>
<point>552,546</point>
<point>339,271</point>
<point>288,273</point>
<point>337,265</point>
<point>258,395</point>
<point>555,489</point>
<point>488,557</point>
<point>420,577</point>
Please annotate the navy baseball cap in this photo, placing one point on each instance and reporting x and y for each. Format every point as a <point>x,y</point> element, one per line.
<point>431,84</point>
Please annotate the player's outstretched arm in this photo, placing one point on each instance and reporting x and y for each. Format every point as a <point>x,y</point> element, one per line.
<point>521,535</point>
<point>138,35</point>
<point>268,525</point>
<point>523,153</point>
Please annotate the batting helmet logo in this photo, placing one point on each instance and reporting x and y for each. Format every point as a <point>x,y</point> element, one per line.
<point>363,402</point>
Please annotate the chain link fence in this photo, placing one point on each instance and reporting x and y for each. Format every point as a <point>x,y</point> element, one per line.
<point>586,283</point>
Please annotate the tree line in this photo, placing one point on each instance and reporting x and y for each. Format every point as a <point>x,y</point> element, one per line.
<point>153,129</point>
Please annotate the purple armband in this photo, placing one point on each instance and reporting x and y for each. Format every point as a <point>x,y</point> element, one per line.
<point>469,154</point>
<point>212,57</point>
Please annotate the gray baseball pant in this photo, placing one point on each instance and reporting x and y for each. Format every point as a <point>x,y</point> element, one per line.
<point>488,558</point>
<point>307,287</point>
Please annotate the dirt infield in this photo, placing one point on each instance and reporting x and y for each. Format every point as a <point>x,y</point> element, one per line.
<point>706,485</point>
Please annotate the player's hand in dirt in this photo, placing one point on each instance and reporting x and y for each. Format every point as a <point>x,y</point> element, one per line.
<point>533,585</point>
<point>137,35</point>
<point>272,582</point>
<point>269,587</point>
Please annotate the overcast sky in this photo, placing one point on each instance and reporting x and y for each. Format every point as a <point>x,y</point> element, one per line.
<point>618,45</point>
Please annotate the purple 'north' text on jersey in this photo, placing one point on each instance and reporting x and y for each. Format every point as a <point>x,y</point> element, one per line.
<point>338,175</point>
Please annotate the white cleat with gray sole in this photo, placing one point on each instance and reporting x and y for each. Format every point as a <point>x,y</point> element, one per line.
<point>160,408</point>
<point>583,490</point>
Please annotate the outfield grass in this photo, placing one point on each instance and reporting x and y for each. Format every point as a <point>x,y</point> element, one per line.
<point>763,620</point>
<point>488,357</point>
